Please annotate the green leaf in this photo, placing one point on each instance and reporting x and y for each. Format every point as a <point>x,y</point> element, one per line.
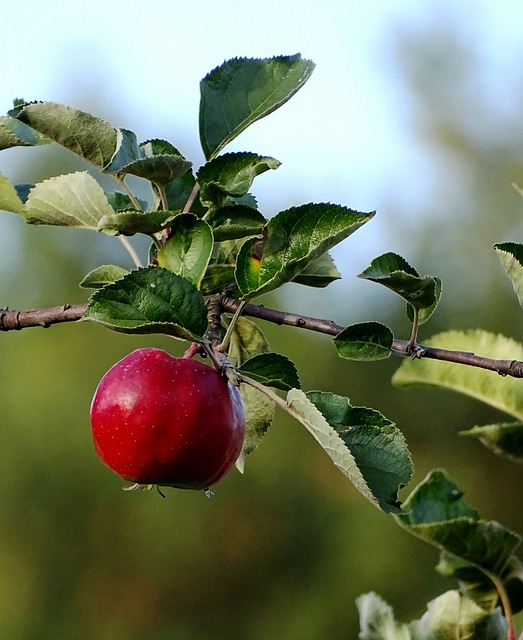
<point>395,273</point>
<point>504,439</point>
<point>243,90</point>
<point>248,200</point>
<point>248,341</point>
<point>511,256</point>
<point>82,133</point>
<point>272,370</point>
<point>99,277</point>
<point>319,272</point>
<point>312,419</point>
<point>235,221</point>
<point>127,151</point>
<point>377,621</point>
<point>14,133</point>
<point>71,200</point>
<point>426,313</point>
<point>122,202</point>
<point>217,278</point>
<point>220,272</point>
<point>475,584</point>
<point>159,169</point>
<point>378,446</point>
<point>188,250</point>
<point>128,223</point>
<point>364,341</point>
<point>151,300</point>
<point>231,174</point>
<point>503,393</point>
<point>436,512</point>
<point>158,147</point>
<point>177,192</point>
<point>292,239</point>
<point>452,615</point>
<point>9,198</point>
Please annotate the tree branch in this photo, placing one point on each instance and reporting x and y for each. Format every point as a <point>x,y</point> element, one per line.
<point>13,320</point>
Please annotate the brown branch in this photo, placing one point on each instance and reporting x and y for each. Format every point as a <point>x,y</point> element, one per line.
<point>403,348</point>
<point>12,320</point>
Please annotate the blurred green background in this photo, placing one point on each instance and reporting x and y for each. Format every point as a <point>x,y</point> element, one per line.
<point>284,550</point>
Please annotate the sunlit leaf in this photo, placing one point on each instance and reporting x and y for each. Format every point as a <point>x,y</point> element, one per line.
<point>71,200</point>
<point>82,133</point>
<point>504,393</point>
<point>377,621</point>
<point>453,615</point>
<point>9,198</point>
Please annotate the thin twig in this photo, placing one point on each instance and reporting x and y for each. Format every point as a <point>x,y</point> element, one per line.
<point>163,196</point>
<point>130,250</point>
<point>131,195</point>
<point>191,198</point>
<point>505,603</point>
<point>12,320</point>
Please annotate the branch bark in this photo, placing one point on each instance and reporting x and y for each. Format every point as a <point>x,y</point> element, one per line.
<point>13,320</point>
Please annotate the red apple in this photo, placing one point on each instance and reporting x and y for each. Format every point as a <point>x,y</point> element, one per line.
<point>167,421</point>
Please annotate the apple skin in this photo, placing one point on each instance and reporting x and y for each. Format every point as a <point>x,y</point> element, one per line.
<point>167,421</point>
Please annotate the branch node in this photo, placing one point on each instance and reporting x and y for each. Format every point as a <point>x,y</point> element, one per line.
<point>515,369</point>
<point>415,351</point>
<point>3,313</point>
